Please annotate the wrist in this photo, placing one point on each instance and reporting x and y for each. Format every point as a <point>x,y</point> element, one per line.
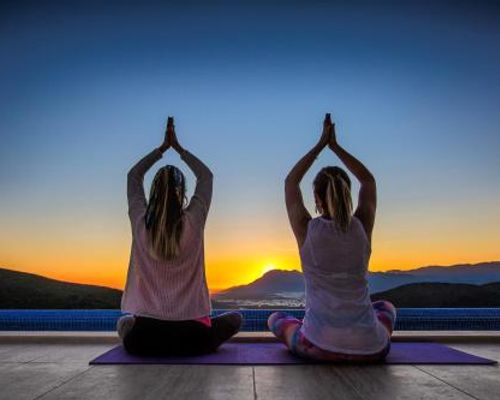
<point>179,149</point>
<point>319,146</point>
<point>334,147</point>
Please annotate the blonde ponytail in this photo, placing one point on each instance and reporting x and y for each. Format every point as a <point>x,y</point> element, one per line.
<point>331,195</point>
<point>344,208</point>
<point>333,187</point>
<point>164,212</point>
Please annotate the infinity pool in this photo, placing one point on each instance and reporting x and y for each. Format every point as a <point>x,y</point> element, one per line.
<point>254,320</point>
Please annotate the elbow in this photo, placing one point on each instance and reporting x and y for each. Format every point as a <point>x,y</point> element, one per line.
<point>287,183</point>
<point>133,177</point>
<point>208,175</point>
<point>290,184</point>
<point>131,173</point>
<point>369,179</point>
<point>290,180</point>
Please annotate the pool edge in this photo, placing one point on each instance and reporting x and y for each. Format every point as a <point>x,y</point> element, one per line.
<point>96,337</point>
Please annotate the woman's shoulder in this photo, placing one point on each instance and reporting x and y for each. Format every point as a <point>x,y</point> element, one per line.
<point>356,221</point>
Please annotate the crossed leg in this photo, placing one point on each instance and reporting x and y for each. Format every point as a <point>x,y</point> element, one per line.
<point>287,329</point>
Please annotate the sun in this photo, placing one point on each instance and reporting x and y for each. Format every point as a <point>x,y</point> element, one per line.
<point>268,267</point>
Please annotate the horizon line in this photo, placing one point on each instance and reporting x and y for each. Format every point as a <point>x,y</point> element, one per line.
<point>214,290</point>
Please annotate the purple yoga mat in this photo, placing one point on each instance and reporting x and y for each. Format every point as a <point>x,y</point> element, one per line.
<point>277,353</point>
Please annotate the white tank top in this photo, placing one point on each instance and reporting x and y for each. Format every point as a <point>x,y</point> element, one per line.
<point>339,316</point>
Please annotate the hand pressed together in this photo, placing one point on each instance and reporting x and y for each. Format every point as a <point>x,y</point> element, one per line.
<point>170,137</point>
<point>328,136</point>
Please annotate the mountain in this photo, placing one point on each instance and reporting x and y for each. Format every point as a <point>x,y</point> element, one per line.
<point>272,282</point>
<point>24,290</point>
<point>430,295</point>
<point>465,285</point>
<point>417,295</point>
<point>290,284</point>
<point>480,271</point>
<point>476,274</point>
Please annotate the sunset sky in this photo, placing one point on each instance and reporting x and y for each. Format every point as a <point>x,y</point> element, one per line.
<point>86,89</point>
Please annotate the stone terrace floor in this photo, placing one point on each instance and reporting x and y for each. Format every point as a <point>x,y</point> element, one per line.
<point>57,368</point>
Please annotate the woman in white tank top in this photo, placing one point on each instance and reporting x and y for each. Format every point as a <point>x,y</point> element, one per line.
<point>340,323</point>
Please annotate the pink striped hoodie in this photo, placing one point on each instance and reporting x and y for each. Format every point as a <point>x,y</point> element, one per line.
<point>177,289</point>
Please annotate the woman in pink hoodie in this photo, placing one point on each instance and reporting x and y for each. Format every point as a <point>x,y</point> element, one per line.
<point>166,291</point>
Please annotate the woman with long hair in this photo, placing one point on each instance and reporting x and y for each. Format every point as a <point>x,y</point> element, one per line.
<point>340,322</point>
<point>166,292</point>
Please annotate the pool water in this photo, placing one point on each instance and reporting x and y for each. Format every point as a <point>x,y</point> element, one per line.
<point>254,320</point>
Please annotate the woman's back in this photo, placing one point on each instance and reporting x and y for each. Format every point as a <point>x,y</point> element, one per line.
<point>169,290</point>
<point>339,316</point>
<point>174,289</point>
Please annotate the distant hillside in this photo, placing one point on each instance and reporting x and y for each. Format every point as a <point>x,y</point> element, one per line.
<point>272,282</point>
<point>482,270</point>
<point>291,283</point>
<point>456,286</point>
<point>476,274</point>
<point>23,290</point>
<point>428,295</point>
<point>444,295</point>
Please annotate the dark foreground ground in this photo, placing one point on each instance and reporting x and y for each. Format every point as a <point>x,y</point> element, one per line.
<point>60,370</point>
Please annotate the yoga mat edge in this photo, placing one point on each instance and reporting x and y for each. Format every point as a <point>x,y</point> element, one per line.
<point>277,354</point>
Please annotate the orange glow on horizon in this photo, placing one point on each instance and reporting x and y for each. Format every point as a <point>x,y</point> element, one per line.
<point>221,275</point>
<point>100,256</point>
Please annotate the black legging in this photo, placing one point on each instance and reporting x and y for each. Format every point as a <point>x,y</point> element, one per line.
<point>151,336</point>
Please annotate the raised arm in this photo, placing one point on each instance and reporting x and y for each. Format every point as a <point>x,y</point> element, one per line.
<point>367,199</point>
<point>202,197</point>
<point>297,212</point>
<point>135,184</point>
<point>136,197</point>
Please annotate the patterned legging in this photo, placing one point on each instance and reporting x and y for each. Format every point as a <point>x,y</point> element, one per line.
<point>287,329</point>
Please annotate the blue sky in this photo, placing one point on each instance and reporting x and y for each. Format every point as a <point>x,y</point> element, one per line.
<point>86,89</point>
